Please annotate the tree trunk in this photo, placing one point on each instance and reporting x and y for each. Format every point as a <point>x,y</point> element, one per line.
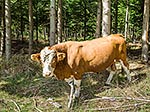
<point>22,28</point>
<point>3,31</point>
<point>127,21</point>
<point>106,18</point>
<point>44,32</point>
<point>8,29</point>
<point>52,23</point>
<point>36,8</point>
<point>30,27</point>
<point>59,25</point>
<point>116,16</point>
<point>85,20</point>
<point>48,32</point>
<point>98,20</point>
<point>145,31</point>
<point>36,25</point>
<point>21,20</point>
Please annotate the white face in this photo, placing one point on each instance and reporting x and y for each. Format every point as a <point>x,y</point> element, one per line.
<point>48,61</point>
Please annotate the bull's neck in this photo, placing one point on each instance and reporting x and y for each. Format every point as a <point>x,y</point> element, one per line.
<point>60,47</point>
<point>62,70</point>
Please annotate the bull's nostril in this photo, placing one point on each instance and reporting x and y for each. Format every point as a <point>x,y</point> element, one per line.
<point>47,74</point>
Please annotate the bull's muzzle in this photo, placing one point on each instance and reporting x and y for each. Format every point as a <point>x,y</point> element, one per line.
<point>49,74</point>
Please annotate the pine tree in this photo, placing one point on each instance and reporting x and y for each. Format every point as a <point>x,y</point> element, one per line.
<point>8,28</point>
<point>30,27</point>
<point>52,23</point>
<point>98,20</point>
<point>145,31</point>
<point>106,17</point>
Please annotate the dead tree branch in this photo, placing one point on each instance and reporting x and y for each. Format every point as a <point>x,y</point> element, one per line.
<point>17,106</point>
<point>55,104</point>
<point>119,98</point>
<point>117,107</point>
<point>35,106</point>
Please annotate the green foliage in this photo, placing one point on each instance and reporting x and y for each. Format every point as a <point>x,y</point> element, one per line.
<point>79,16</point>
<point>135,16</point>
<point>78,13</point>
<point>19,13</point>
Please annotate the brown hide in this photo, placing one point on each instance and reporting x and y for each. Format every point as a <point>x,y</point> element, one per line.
<point>89,56</point>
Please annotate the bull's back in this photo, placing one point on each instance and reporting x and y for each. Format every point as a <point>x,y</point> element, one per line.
<point>95,55</point>
<point>98,57</point>
<point>91,56</point>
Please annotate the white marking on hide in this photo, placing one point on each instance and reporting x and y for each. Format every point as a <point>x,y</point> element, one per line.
<point>74,89</point>
<point>110,77</point>
<point>77,84</point>
<point>47,56</point>
<point>70,81</point>
<point>126,70</point>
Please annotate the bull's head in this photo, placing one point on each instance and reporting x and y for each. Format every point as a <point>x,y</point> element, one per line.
<point>49,59</point>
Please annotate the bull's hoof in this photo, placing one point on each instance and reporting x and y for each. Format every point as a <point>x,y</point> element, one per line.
<point>76,102</point>
<point>73,104</point>
<point>107,86</point>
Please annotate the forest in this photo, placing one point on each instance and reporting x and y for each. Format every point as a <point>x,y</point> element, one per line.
<point>27,26</point>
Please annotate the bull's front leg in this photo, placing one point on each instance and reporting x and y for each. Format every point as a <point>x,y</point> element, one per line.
<point>74,91</point>
<point>76,94</point>
<point>77,84</point>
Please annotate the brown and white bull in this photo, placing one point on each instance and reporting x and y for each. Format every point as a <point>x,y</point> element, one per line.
<point>70,60</point>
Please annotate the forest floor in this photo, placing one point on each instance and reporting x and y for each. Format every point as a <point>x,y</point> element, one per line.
<point>23,89</point>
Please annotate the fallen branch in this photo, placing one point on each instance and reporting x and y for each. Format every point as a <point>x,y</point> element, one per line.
<point>18,107</point>
<point>35,106</point>
<point>119,98</point>
<point>1,100</point>
<point>117,107</point>
<point>55,104</point>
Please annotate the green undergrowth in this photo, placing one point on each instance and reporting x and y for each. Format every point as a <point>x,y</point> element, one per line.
<point>22,88</point>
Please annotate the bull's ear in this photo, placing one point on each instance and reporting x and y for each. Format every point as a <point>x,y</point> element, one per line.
<point>61,56</point>
<point>36,57</point>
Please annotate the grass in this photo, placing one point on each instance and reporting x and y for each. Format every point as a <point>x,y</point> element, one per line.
<point>22,88</point>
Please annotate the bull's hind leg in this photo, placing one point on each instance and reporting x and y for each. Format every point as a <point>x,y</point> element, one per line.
<point>125,67</point>
<point>112,70</point>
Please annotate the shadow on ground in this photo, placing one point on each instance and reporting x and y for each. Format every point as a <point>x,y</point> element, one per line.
<point>29,83</point>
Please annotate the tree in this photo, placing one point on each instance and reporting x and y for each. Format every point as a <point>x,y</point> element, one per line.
<point>59,25</point>
<point>127,21</point>
<point>3,30</point>
<point>21,19</point>
<point>98,20</point>
<point>116,16</point>
<point>106,17</point>
<point>8,29</point>
<point>52,23</point>
<point>145,31</point>
<point>30,27</point>
<point>79,18</point>
<point>36,18</point>
<point>85,18</point>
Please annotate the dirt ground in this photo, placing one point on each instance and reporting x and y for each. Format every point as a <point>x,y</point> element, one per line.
<point>22,87</point>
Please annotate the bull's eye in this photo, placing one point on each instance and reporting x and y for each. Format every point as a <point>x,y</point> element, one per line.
<point>49,59</point>
<point>53,62</point>
<point>46,58</point>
